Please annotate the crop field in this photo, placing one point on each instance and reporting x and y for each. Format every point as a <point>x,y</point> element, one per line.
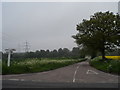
<point>113,57</point>
<point>36,65</point>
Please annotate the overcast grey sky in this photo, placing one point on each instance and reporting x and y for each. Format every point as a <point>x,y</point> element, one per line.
<point>0,26</point>
<point>46,25</point>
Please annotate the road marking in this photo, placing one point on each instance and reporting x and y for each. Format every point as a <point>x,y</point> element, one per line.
<point>22,80</point>
<point>75,74</point>
<point>17,79</point>
<point>36,80</point>
<point>14,79</point>
<point>91,72</point>
<point>113,75</point>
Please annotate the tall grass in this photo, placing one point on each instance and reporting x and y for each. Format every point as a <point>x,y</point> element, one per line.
<point>35,65</point>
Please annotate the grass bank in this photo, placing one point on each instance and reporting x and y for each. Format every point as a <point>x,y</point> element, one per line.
<point>109,66</point>
<point>35,65</point>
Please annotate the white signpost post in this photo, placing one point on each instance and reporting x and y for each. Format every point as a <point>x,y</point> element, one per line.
<point>9,51</point>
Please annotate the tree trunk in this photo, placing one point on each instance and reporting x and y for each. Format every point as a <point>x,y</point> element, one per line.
<point>103,54</point>
<point>103,49</point>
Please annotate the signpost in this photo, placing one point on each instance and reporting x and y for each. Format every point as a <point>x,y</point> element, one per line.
<point>9,51</point>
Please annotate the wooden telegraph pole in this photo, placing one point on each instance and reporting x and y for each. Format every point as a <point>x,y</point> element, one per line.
<point>9,51</point>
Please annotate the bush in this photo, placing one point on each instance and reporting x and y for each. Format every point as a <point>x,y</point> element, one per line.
<point>109,65</point>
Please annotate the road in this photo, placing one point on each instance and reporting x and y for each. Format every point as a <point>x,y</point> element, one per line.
<point>76,75</point>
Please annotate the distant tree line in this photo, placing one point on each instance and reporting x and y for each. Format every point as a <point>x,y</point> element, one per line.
<point>75,53</point>
<point>60,53</point>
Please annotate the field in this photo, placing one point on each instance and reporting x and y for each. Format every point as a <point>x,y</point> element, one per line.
<point>113,57</point>
<point>110,66</point>
<point>35,65</point>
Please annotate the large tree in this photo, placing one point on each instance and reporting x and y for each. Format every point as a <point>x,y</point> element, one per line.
<point>100,33</point>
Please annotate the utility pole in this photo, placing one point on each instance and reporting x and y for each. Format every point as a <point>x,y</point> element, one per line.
<point>27,47</point>
<point>9,51</point>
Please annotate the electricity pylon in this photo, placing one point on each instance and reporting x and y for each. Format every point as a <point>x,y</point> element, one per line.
<point>27,47</point>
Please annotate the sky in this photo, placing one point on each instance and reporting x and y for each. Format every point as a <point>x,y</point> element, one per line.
<point>46,25</point>
<point>0,27</point>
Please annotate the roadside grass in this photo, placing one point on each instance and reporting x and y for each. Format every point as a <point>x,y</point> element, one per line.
<point>0,66</point>
<point>36,65</point>
<point>109,66</point>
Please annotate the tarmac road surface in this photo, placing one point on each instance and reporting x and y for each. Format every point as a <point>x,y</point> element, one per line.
<point>76,75</point>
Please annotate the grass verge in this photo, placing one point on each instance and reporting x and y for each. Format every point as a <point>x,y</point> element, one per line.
<point>35,65</point>
<point>109,66</point>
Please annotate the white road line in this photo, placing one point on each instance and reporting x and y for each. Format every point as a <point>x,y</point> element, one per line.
<point>91,71</point>
<point>36,80</point>
<point>14,79</point>
<point>17,79</point>
<point>75,74</point>
<point>113,75</point>
<point>22,80</point>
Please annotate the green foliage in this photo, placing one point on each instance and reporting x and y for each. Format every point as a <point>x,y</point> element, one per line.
<point>0,66</point>
<point>100,33</point>
<point>36,65</point>
<point>110,66</point>
<point>64,53</point>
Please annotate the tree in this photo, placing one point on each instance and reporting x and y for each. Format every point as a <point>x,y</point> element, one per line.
<point>100,33</point>
<point>54,53</point>
<point>37,54</point>
<point>66,52</point>
<point>47,53</point>
<point>60,52</point>
<point>42,53</point>
<point>88,51</point>
<point>75,52</point>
